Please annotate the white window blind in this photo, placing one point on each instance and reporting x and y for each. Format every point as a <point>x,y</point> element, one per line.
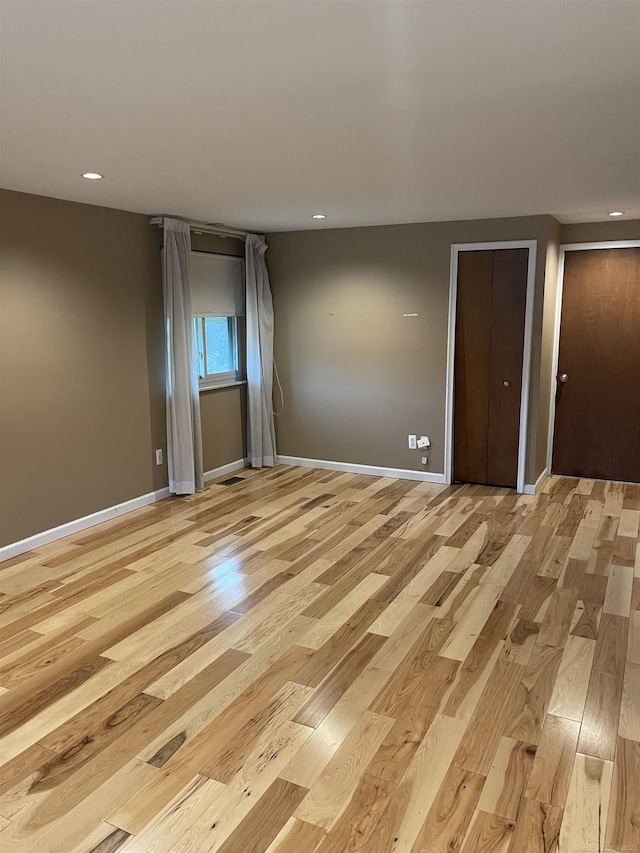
<point>217,285</point>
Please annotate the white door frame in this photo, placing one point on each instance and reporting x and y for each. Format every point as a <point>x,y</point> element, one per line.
<point>456,248</point>
<point>564,248</point>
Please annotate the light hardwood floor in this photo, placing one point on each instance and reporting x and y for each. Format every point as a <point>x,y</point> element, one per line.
<point>314,661</point>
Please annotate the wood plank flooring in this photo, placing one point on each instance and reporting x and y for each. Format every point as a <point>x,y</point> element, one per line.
<point>317,662</point>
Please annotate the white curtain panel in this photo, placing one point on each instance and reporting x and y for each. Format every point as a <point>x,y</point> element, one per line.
<point>184,438</point>
<point>261,437</point>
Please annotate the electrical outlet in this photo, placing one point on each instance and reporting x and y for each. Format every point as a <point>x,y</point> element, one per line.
<point>425,459</point>
<point>159,457</point>
<point>424,442</point>
<point>412,442</point>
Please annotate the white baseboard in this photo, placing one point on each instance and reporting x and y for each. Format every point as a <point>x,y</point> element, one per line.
<point>532,489</point>
<point>373,470</point>
<point>79,524</point>
<point>229,468</point>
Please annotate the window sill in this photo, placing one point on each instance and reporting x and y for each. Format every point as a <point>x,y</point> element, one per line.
<point>229,384</point>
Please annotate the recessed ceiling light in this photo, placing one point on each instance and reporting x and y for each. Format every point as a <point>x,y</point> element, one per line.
<point>92,176</point>
<point>318,216</point>
<point>617,213</point>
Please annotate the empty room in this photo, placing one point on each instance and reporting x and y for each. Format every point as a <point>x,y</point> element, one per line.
<point>320,426</point>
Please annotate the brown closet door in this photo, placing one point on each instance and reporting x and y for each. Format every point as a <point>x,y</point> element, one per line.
<point>508,306</point>
<point>597,426</point>
<point>490,317</point>
<point>472,359</point>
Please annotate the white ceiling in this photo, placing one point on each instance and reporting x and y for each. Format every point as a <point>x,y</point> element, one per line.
<point>260,113</point>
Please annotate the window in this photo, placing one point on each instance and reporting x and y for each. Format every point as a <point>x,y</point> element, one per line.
<point>217,301</point>
<point>217,345</point>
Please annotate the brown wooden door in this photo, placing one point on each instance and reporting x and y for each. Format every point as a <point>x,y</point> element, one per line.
<point>597,421</point>
<point>490,318</point>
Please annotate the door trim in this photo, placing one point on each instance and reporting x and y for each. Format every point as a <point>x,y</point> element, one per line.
<point>563,249</point>
<point>456,248</point>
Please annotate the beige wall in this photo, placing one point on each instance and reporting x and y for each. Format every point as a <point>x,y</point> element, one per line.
<point>81,405</point>
<point>223,413</point>
<point>358,377</point>
<point>82,366</point>
<point>82,398</point>
<point>594,232</point>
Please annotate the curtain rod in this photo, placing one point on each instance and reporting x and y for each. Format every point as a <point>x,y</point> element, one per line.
<point>204,227</point>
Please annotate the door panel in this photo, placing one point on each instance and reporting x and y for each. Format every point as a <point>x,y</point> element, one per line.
<point>508,305</point>
<point>490,319</point>
<point>597,423</point>
<point>472,360</point>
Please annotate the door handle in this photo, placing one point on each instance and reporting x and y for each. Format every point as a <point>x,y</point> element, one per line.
<point>506,383</point>
<point>564,377</point>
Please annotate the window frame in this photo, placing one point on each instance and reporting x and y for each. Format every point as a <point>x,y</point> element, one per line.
<point>208,381</point>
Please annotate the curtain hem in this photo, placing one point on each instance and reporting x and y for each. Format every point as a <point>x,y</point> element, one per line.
<point>262,462</point>
<point>184,487</point>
